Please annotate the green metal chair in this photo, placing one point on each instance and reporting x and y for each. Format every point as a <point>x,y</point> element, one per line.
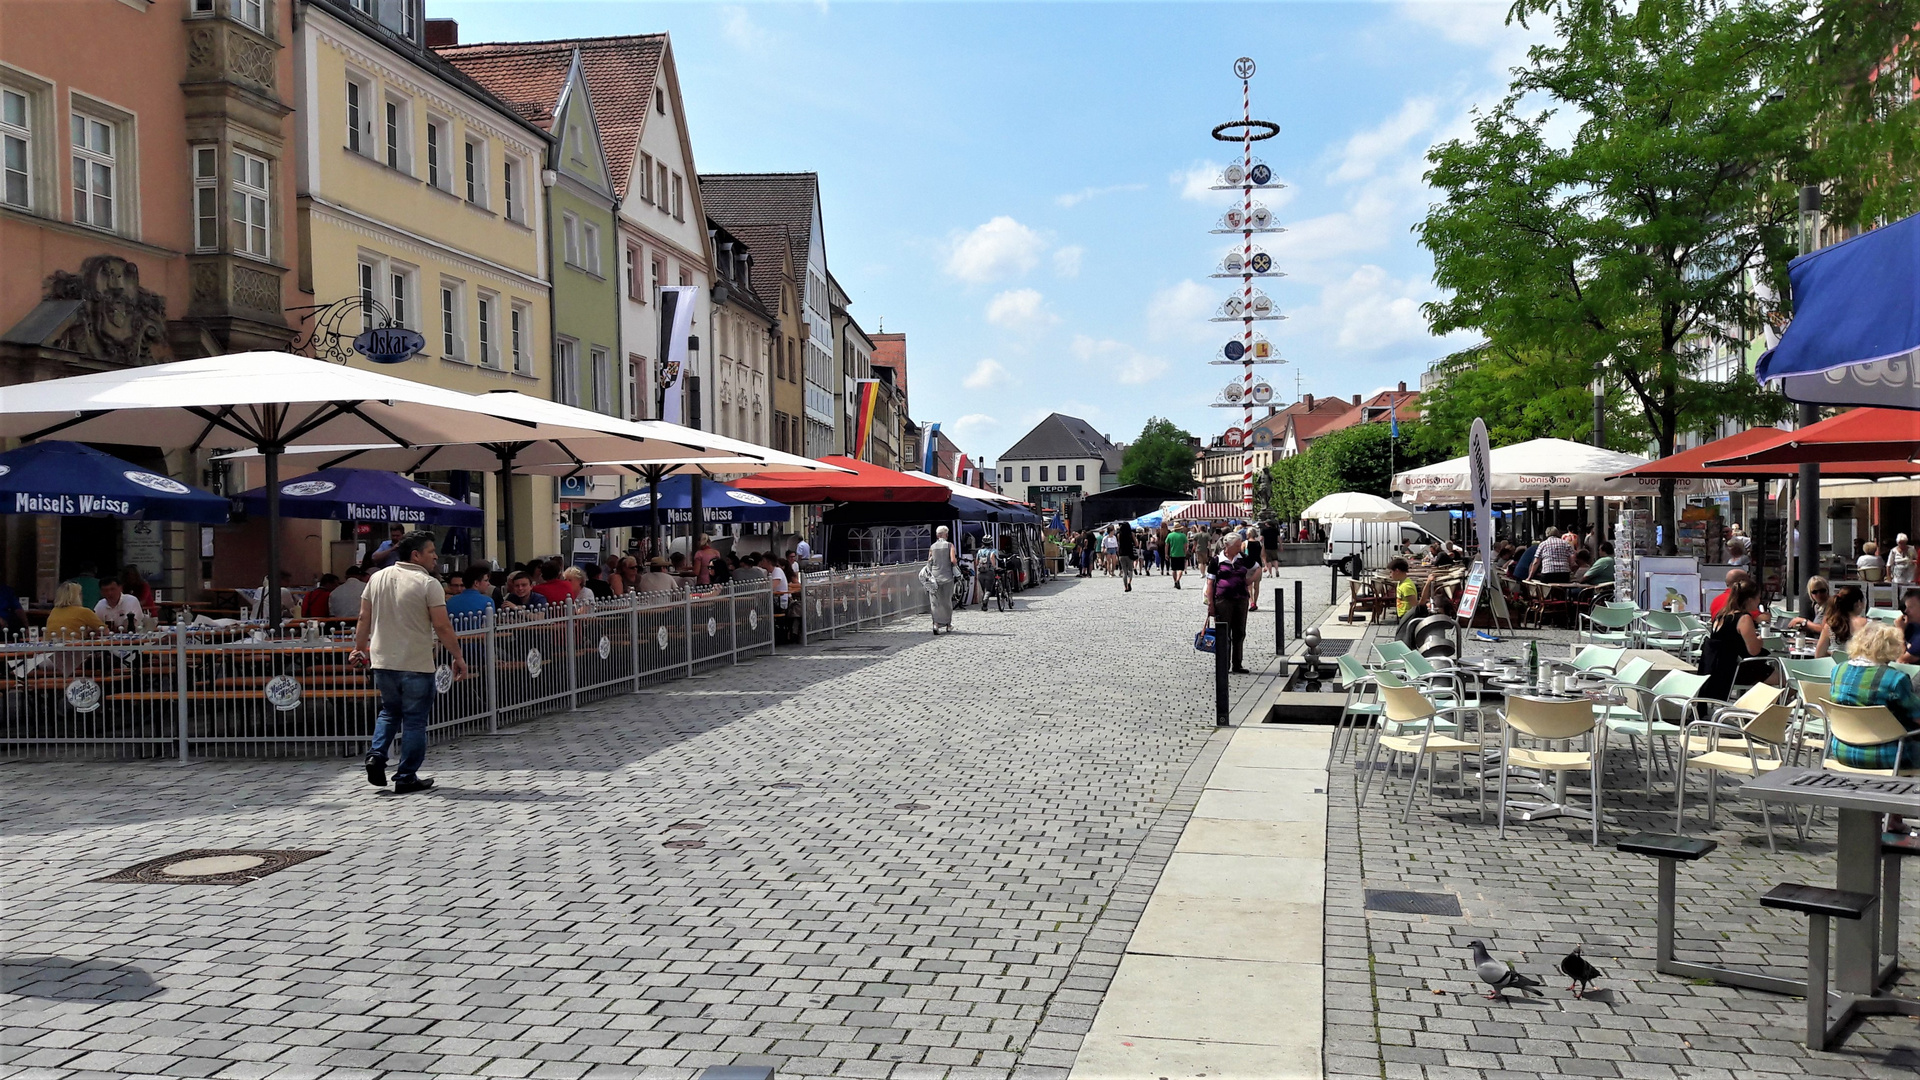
<point>1656,713</point>
<point>1390,655</point>
<point>1608,626</point>
<point>1884,614</point>
<point>1665,630</point>
<point>1363,699</point>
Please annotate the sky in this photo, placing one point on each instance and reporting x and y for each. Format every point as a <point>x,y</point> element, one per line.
<point>1021,188</point>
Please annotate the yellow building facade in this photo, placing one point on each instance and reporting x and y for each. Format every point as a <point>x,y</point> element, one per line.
<point>421,203</point>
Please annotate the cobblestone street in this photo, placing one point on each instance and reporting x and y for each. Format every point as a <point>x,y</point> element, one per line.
<point>890,855</point>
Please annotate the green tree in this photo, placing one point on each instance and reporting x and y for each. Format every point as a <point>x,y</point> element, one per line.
<point>1358,458</point>
<point>1659,229</point>
<point>1521,394</point>
<point>1161,457</point>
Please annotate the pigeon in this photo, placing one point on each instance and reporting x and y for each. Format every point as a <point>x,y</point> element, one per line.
<point>1575,967</point>
<point>1497,974</point>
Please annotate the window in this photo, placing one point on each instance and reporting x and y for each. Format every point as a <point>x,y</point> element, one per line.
<point>636,368</point>
<point>566,388</point>
<point>476,159</point>
<point>410,19</point>
<point>436,138</point>
<point>1043,474</point>
<point>686,276</point>
<point>16,140</point>
<point>590,247</point>
<point>660,193</point>
<point>570,230</point>
<point>602,381</point>
<point>203,7</point>
<point>646,177</point>
<point>1079,472</point>
<point>452,344</point>
<point>249,202</point>
<point>679,212</point>
<point>396,136</point>
<point>659,268</point>
<point>487,307</point>
<point>660,99</point>
<point>364,7</point>
<point>400,295</point>
<point>633,273</point>
<point>509,191</point>
<point>356,121</point>
<point>94,166</point>
<point>517,323</point>
<point>206,198</point>
<point>368,274</point>
<point>251,12</point>
<point>1026,474</point>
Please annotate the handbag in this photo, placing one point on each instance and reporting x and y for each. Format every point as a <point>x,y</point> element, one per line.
<point>1204,640</point>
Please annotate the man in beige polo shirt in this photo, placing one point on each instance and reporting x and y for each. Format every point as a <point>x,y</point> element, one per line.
<point>403,610</point>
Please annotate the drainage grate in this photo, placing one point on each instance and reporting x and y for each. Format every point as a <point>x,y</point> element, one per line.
<point>910,806</point>
<point>211,866</point>
<point>858,648</point>
<point>1413,903</point>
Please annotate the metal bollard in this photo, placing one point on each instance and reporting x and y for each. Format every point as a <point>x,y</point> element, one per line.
<point>1299,606</point>
<point>1279,621</point>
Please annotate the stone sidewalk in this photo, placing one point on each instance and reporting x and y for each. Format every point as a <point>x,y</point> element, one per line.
<point>892,855</point>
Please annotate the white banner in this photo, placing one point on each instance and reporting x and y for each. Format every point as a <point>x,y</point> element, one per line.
<point>676,323</point>
<point>1480,483</point>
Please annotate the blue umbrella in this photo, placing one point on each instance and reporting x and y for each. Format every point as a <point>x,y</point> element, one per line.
<point>719,503</point>
<point>1853,304</point>
<point>365,495</point>
<point>74,480</point>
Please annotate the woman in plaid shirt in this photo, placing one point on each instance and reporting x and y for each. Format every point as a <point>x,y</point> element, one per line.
<point>1865,679</point>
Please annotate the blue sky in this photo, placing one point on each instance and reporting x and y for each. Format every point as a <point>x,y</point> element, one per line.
<point>1019,187</point>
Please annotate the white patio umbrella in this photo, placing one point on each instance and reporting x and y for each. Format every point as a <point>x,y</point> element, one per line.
<point>979,494</point>
<point>267,401</point>
<point>1538,467</point>
<point>1356,506</point>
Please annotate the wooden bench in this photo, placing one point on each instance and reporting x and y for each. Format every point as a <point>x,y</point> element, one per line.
<point>1818,905</point>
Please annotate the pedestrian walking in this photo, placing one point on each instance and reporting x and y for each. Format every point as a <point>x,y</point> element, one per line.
<point>1177,552</point>
<point>1227,603</point>
<point>942,567</point>
<point>1110,550</point>
<point>402,612</point>
<point>1126,548</point>
<point>1256,556</point>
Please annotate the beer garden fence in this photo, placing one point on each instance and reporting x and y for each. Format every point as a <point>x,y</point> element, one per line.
<point>234,691</point>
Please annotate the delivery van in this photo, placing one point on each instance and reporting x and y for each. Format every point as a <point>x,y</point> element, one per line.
<point>1358,546</point>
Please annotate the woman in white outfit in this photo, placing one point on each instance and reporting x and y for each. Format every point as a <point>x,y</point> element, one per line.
<point>942,568</point>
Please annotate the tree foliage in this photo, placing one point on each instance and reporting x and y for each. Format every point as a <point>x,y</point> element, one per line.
<point>1522,394</point>
<point>1161,457</point>
<point>1351,459</point>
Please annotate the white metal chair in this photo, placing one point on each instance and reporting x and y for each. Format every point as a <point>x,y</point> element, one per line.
<point>1408,709</point>
<point>1870,725</point>
<point>1548,722</point>
<point>1735,740</point>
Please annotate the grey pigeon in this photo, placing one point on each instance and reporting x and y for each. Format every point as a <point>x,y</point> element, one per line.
<point>1499,975</point>
<point>1575,967</point>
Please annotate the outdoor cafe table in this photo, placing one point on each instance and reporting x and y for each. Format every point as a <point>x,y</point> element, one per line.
<point>1859,800</point>
<point>1556,796</point>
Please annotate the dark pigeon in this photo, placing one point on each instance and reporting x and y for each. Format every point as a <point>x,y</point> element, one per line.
<point>1575,967</point>
<point>1499,975</point>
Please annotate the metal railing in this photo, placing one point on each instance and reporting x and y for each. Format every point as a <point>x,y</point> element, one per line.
<point>237,690</point>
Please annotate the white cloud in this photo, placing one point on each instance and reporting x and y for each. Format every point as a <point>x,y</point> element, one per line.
<point>1196,184</point>
<point>1118,360</point>
<point>742,31</point>
<point>997,249</point>
<point>1180,312</point>
<point>1075,198</point>
<point>1369,310</point>
<point>971,427</point>
<point>1477,26</point>
<point>1020,309</point>
<point>986,375</point>
<point>1066,260</point>
<point>1365,150</point>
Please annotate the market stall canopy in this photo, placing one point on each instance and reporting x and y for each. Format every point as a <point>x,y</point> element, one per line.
<point>1206,511</point>
<point>720,503</point>
<point>1530,469</point>
<point>1859,435</point>
<point>1356,506</point>
<point>863,482</point>
<point>952,508</point>
<point>1705,461</point>
<point>1855,334</point>
<point>365,495</point>
<point>70,479</point>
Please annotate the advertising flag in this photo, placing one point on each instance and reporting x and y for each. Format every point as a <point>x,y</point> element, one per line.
<point>931,456</point>
<point>676,324</point>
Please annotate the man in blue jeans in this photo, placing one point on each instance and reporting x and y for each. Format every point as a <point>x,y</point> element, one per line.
<point>401,613</point>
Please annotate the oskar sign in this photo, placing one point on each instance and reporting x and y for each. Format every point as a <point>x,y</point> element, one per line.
<point>390,344</point>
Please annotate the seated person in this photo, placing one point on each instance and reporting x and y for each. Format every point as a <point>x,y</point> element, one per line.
<point>549,583</point>
<point>1844,620</point>
<point>678,562</point>
<point>315,605</point>
<point>70,616</point>
<point>1818,592</point>
<point>520,595</point>
<point>1405,592</point>
<point>1601,572</point>
<point>12,615</point>
<point>656,579</point>
<point>601,590</point>
<point>1866,679</point>
<point>462,600</point>
<point>116,609</point>
<point>1869,560</point>
<point>344,601</point>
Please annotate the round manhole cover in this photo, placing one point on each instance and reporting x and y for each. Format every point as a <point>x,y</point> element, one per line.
<point>213,864</point>
<point>910,806</point>
<point>683,845</point>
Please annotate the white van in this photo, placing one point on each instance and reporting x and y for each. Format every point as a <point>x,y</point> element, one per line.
<point>1357,546</point>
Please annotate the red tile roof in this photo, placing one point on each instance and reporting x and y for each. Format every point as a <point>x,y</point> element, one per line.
<point>621,72</point>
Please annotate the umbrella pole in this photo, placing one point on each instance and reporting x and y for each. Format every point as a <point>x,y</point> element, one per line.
<point>272,455</point>
<point>506,504</point>
<point>693,539</point>
<point>653,510</point>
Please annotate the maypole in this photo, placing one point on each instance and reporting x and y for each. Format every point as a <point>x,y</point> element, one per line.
<point>1247,263</point>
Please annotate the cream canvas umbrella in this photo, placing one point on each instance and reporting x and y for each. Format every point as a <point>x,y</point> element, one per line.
<point>1356,506</point>
<point>267,401</point>
<point>1540,466</point>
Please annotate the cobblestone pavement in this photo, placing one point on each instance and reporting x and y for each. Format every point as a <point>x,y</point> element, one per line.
<point>1403,1002</point>
<point>922,857</point>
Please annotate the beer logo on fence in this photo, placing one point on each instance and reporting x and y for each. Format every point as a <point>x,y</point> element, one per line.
<point>753,618</point>
<point>816,605</point>
<point>662,637</point>
<point>156,482</point>
<point>534,662</point>
<point>435,497</point>
<point>442,679</point>
<point>606,647</point>
<point>713,626</point>
<point>283,692</point>
<point>308,487</point>
<point>83,695</point>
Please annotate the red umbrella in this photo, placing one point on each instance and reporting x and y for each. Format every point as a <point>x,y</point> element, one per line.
<point>1890,437</point>
<point>867,483</point>
<point>1705,461</point>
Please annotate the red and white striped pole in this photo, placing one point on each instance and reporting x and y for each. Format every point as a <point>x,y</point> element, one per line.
<point>1246,293</point>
